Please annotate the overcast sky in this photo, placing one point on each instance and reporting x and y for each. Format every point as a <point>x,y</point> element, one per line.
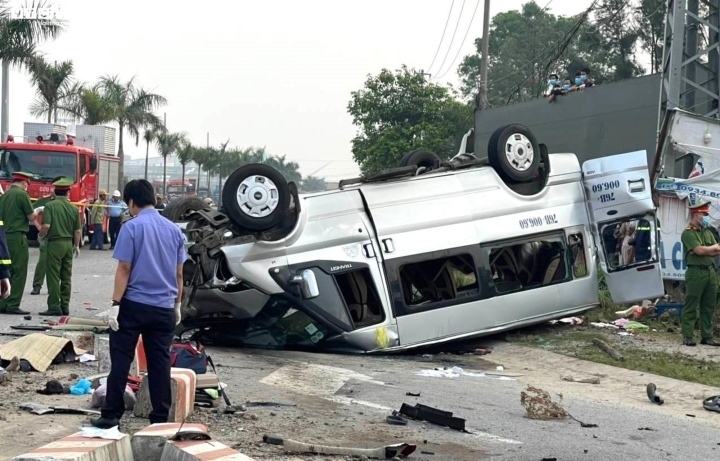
<point>274,73</point>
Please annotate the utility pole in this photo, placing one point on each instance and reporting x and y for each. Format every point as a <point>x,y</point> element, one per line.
<point>422,72</point>
<point>484,62</point>
<point>56,103</point>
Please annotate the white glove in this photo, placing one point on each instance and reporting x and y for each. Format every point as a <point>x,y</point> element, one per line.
<point>39,209</point>
<point>113,318</point>
<point>42,241</point>
<point>76,252</point>
<point>4,288</point>
<point>178,314</point>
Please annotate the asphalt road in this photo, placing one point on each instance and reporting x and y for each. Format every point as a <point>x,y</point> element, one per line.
<point>368,388</point>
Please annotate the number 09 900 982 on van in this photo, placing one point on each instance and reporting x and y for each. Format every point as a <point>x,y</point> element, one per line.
<point>427,252</point>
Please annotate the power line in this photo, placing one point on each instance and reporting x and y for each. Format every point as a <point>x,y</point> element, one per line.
<point>453,36</point>
<point>442,37</point>
<point>463,41</point>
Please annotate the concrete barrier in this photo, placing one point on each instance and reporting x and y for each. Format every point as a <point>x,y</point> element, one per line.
<point>77,448</point>
<point>201,450</point>
<point>148,444</point>
<point>183,396</point>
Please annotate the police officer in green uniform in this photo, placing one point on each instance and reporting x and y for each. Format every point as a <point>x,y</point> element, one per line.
<point>17,212</point>
<point>39,278</point>
<point>701,279</point>
<point>61,228</point>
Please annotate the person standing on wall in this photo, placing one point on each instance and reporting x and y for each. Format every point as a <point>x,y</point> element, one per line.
<point>97,216</point>
<point>62,230</point>
<point>39,277</point>
<point>115,209</point>
<point>16,211</point>
<point>146,301</point>
<point>701,278</point>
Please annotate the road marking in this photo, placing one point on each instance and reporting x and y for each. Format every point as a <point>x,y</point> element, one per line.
<point>324,381</point>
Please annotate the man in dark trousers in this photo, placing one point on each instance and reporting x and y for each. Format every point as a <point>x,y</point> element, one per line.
<point>115,209</point>
<point>146,301</point>
<point>5,263</point>
<point>62,233</point>
<point>17,212</point>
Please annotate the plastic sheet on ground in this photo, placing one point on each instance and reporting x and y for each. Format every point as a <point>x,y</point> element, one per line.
<point>456,372</point>
<point>96,433</point>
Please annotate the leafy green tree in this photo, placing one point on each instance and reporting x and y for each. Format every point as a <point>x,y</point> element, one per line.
<point>150,135</point>
<point>528,45</point>
<point>167,144</point>
<point>399,112</point>
<point>53,84</point>
<point>650,16</point>
<point>289,170</point>
<point>313,184</point>
<point>131,107</point>
<point>620,36</point>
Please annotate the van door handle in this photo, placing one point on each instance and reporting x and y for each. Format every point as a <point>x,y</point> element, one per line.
<point>369,252</point>
<point>389,247</point>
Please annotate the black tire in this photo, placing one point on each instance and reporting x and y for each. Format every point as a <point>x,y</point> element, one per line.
<point>271,208</point>
<point>175,210</point>
<point>520,142</point>
<point>421,158</point>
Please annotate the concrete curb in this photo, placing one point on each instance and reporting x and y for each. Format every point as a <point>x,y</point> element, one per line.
<point>148,444</point>
<point>201,450</point>
<point>77,448</point>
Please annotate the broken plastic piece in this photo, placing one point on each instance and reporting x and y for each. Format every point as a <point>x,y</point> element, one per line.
<point>433,415</point>
<point>413,394</point>
<point>654,398</point>
<point>712,404</point>
<point>396,420</point>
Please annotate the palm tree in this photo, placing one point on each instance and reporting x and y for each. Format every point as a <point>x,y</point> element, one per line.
<point>18,42</point>
<point>88,104</point>
<point>167,144</point>
<point>53,83</point>
<point>185,153</point>
<point>200,156</point>
<point>132,108</point>
<point>150,135</point>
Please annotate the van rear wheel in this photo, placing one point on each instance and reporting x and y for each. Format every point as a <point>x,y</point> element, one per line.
<point>421,158</point>
<point>178,208</point>
<point>514,153</point>
<point>256,197</point>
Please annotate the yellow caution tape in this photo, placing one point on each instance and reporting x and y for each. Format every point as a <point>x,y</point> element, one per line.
<point>1,223</point>
<point>5,262</point>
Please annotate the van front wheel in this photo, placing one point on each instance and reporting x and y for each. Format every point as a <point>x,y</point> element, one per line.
<point>256,197</point>
<point>514,153</point>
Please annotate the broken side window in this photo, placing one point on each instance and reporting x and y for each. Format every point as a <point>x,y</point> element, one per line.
<point>629,242</point>
<point>361,297</point>
<point>528,263</point>
<point>577,252</point>
<point>436,280</point>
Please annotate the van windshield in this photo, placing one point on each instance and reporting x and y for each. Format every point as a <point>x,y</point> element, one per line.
<point>44,165</point>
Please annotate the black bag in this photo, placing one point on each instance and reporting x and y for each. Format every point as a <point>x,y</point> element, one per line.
<point>189,354</point>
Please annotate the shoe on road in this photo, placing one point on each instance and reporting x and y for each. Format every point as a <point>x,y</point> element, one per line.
<point>50,313</point>
<point>689,342</point>
<point>104,423</point>
<point>16,312</point>
<point>710,342</point>
<point>35,291</point>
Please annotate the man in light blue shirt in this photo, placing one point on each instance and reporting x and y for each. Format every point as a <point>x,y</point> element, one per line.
<point>146,301</point>
<point>115,209</point>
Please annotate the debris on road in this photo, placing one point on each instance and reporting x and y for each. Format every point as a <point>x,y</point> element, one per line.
<point>481,351</point>
<point>654,398</point>
<point>539,404</point>
<point>593,380</point>
<point>401,450</point>
<point>413,394</point>
<point>41,350</point>
<point>602,345</point>
<point>432,415</point>
<point>269,404</point>
<point>647,429</point>
<point>712,403</point>
<point>396,420</point>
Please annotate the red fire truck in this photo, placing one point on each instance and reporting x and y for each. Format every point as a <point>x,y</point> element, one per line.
<point>47,157</point>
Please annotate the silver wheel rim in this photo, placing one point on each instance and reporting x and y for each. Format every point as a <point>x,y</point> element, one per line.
<point>519,152</point>
<point>258,196</point>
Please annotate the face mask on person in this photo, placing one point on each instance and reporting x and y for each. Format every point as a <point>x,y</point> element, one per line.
<point>583,77</point>
<point>578,81</point>
<point>552,81</point>
<point>705,221</point>
<point>566,86</point>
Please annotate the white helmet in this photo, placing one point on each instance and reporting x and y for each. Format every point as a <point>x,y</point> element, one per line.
<point>116,193</point>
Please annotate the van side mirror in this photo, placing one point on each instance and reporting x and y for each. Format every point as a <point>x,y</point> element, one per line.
<point>308,284</point>
<point>93,164</point>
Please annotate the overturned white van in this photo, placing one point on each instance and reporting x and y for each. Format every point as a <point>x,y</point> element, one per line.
<point>428,252</point>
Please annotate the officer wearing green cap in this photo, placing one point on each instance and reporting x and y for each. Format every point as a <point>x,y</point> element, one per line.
<point>40,267</point>
<point>17,212</point>
<point>61,228</point>
<point>701,279</point>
